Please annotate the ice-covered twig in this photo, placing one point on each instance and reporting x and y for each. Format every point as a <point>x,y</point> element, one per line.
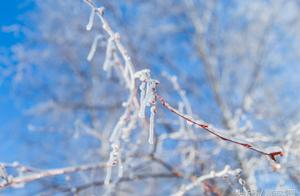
<point>119,46</point>
<point>144,76</point>
<point>114,159</point>
<point>48,173</point>
<point>271,152</point>
<point>126,70</point>
<point>181,92</point>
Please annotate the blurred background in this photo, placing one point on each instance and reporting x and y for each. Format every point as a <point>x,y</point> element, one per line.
<point>236,63</point>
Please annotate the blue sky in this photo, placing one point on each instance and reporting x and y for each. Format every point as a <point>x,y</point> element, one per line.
<point>13,129</point>
<point>9,12</point>
<point>8,111</point>
<point>17,143</point>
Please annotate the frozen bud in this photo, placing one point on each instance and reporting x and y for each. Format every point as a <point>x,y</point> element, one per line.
<point>109,54</point>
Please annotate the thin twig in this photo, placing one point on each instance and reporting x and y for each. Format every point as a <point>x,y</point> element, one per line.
<point>209,128</point>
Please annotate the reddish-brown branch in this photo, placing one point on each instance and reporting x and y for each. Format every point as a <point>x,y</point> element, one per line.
<point>214,131</point>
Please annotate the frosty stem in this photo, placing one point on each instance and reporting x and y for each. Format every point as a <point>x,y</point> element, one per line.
<point>215,132</point>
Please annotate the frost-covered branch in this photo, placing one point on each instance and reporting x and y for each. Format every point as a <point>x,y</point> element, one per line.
<point>117,57</point>
<point>148,95</point>
<point>33,176</point>
<point>271,152</point>
<point>128,119</point>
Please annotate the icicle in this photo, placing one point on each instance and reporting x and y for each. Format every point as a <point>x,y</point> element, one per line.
<point>151,100</point>
<point>142,100</point>
<point>144,76</point>
<point>151,126</point>
<point>89,26</point>
<point>108,54</point>
<point>147,98</point>
<point>147,95</point>
<point>93,48</point>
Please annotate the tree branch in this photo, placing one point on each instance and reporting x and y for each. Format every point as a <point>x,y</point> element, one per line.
<point>11,181</point>
<point>209,128</point>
